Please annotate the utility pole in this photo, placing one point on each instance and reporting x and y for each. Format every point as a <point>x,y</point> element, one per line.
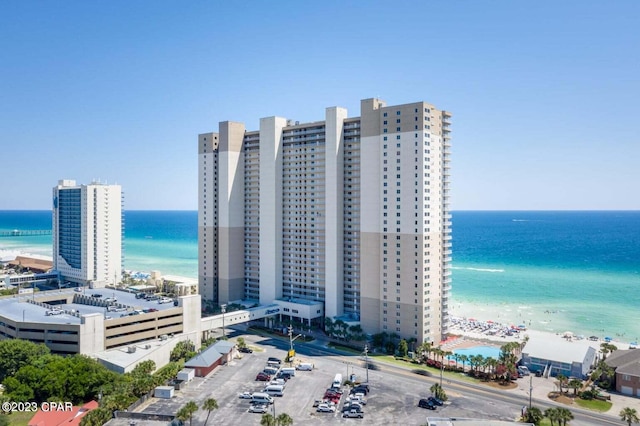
<point>530,390</point>
<point>223,307</point>
<point>366,360</point>
<point>291,339</point>
<point>441,370</point>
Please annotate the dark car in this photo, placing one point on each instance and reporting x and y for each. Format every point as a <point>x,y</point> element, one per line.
<point>360,389</point>
<point>263,377</point>
<point>283,375</point>
<point>425,403</point>
<point>273,359</point>
<point>246,350</point>
<point>538,373</point>
<point>96,295</point>
<point>436,401</point>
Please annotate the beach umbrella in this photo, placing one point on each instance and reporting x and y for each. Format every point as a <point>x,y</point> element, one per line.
<point>608,339</point>
<point>489,322</point>
<point>522,326</point>
<point>568,334</point>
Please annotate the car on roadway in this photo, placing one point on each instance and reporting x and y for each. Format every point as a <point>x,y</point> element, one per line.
<point>96,295</point>
<point>245,395</point>
<point>353,414</point>
<point>274,359</point>
<point>425,403</point>
<point>258,408</point>
<point>263,377</point>
<point>326,408</point>
<point>245,350</point>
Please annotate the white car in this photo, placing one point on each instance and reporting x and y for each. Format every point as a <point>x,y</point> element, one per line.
<point>326,408</point>
<point>165,300</point>
<point>245,395</point>
<point>259,408</point>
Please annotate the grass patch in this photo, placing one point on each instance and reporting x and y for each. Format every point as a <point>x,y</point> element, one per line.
<point>20,418</point>
<point>431,371</point>
<point>343,348</point>
<point>594,404</point>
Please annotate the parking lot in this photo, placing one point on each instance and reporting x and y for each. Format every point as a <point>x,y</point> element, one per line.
<point>393,398</point>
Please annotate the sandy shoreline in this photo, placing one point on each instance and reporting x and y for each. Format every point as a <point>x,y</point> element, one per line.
<point>469,332</point>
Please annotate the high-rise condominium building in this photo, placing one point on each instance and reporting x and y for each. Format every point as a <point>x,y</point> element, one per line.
<point>344,217</point>
<point>87,232</point>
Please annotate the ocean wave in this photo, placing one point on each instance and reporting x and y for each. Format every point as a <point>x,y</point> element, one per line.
<point>479,269</point>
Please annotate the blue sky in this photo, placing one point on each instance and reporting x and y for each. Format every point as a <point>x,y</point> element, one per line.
<point>544,95</point>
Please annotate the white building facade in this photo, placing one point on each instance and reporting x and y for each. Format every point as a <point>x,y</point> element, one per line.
<point>344,217</point>
<point>87,232</point>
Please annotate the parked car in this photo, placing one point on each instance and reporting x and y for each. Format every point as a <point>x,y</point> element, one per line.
<point>259,408</point>
<point>245,350</point>
<point>353,414</point>
<point>538,373</point>
<point>96,295</point>
<point>263,377</point>
<point>425,403</point>
<point>436,401</point>
<point>326,408</point>
<point>353,405</point>
<point>284,375</point>
<point>273,359</point>
<point>111,300</point>
<point>360,389</point>
<point>78,289</point>
<point>358,398</point>
<point>245,395</point>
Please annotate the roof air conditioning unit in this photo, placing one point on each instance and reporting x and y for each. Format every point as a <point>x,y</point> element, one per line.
<point>163,337</point>
<point>131,349</point>
<point>147,346</point>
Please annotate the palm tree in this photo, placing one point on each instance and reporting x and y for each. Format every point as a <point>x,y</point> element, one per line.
<point>267,420</point>
<point>209,405</point>
<point>575,384</point>
<point>564,415</point>
<point>187,411</point>
<point>629,415</point>
<point>553,415</point>
<point>562,379</point>
<point>464,359</point>
<point>284,419</point>
<point>534,415</point>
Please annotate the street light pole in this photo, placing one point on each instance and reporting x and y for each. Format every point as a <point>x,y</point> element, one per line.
<point>366,360</point>
<point>274,408</point>
<point>223,307</point>
<point>530,390</point>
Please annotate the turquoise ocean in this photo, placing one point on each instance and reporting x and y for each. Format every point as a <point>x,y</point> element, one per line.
<point>552,270</point>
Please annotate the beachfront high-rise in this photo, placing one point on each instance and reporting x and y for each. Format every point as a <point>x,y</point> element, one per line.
<point>87,232</point>
<point>344,217</point>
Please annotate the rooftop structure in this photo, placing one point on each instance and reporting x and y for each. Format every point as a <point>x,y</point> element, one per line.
<point>572,358</point>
